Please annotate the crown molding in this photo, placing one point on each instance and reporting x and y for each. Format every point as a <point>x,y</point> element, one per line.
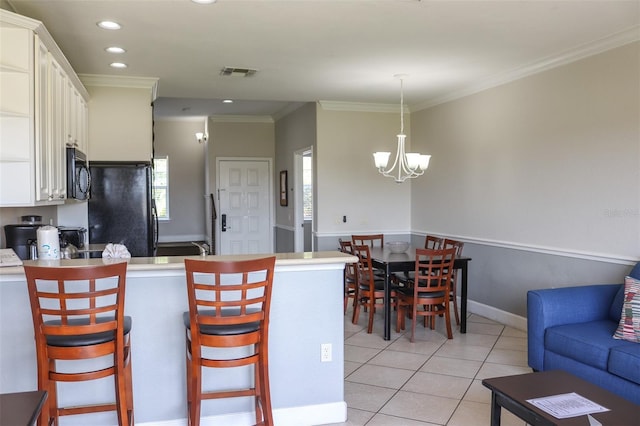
<point>241,119</point>
<point>359,106</point>
<point>619,39</point>
<point>100,80</point>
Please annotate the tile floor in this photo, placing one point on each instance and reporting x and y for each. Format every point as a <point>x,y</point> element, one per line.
<point>434,381</point>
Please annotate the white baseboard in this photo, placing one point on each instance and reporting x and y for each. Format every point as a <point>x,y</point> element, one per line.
<point>308,415</point>
<point>503,317</point>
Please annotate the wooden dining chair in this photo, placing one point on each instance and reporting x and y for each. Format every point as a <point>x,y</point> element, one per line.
<point>458,246</point>
<point>429,290</point>
<point>78,315</point>
<point>229,307</point>
<point>371,240</point>
<point>370,287</point>
<point>350,276</point>
<point>433,242</point>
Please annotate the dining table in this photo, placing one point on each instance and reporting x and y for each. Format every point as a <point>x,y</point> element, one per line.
<point>383,259</point>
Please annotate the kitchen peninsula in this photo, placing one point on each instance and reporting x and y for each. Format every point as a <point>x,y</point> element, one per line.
<point>306,311</point>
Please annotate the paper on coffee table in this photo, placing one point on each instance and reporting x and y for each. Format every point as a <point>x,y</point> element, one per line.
<point>567,405</point>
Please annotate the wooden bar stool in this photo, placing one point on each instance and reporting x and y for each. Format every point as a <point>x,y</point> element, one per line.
<point>229,304</point>
<point>78,314</point>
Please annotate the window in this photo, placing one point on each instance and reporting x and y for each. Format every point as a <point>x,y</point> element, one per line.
<point>307,183</point>
<point>161,186</point>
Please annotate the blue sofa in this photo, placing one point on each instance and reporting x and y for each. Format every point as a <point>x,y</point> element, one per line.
<point>571,329</point>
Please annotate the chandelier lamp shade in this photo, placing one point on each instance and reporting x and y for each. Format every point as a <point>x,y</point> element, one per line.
<point>406,165</point>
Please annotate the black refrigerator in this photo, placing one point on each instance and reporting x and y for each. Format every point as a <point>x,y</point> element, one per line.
<point>121,207</point>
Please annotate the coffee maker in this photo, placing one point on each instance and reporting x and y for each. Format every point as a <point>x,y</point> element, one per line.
<point>21,237</point>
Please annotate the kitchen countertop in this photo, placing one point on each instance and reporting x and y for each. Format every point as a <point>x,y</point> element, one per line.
<point>166,263</point>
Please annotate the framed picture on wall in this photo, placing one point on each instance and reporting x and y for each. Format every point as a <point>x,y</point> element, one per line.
<point>284,201</point>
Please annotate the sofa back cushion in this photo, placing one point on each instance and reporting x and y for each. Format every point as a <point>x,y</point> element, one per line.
<point>615,312</point>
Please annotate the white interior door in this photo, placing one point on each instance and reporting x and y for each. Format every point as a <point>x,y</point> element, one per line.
<point>244,217</point>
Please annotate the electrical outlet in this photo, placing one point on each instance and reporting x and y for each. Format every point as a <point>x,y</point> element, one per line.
<point>325,352</point>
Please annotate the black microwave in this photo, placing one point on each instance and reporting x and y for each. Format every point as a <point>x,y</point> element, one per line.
<point>78,175</point>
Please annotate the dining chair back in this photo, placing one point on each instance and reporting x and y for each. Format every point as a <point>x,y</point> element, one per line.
<point>458,246</point>
<point>350,276</point>
<point>371,240</point>
<point>433,242</point>
<point>78,315</point>
<point>370,286</point>
<point>229,307</point>
<point>429,289</point>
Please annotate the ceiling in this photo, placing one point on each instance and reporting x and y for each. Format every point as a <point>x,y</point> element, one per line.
<point>328,50</point>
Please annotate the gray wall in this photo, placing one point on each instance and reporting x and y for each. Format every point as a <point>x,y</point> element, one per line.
<point>295,131</point>
<point>539,176</point>
<point>176,138</point>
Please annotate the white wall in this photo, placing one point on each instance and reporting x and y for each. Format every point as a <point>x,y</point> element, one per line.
<point>348,184</point>
<point>548,161</point>
<point>120,123</point>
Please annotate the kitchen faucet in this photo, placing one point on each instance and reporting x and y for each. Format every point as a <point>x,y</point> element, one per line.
<point>204,248</point>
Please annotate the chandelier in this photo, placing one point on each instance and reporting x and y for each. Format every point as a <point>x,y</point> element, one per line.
<point>406,165</point>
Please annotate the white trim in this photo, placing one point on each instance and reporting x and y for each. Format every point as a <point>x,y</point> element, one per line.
<point>580,52</point>
<point>195,119</point>
<point>241,118</point>
<point>359,106</point>
<point>555,251</point>
<point>495,314</point>
<point>308,415</point>
<point>99,80</point>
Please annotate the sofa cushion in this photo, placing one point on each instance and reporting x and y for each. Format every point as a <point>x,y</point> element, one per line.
<point>629,324</point>
<point>587,342</point>
<point>624,361</point>
<point>618,300</point>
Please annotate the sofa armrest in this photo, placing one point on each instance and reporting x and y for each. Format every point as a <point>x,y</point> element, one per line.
<point>567,305</point>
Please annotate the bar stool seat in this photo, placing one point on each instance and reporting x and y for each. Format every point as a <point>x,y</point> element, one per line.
<point>78,314</point>
<point>229,306</point>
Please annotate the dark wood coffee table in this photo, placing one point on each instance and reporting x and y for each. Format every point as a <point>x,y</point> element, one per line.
<point>21,409</point>
<point>511,392</point>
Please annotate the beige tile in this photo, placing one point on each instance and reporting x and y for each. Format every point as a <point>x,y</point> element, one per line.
<point>359,354</point>
<point>486,340</point>
<point>356,418</point>
<point>384,420</point>
<point>438,385</point>
<point>499,370</point>
<point>350,367</point>
<point>513,343</point>
<point>418,347</point>
<point>452,367</point>
<point>404,360</point>
<point>483,328</point>
<point>477,392</point>
<point>373,340</point>
<point>377,375</point>
<point>506,356</point>
<point>513,332</point>
<point>469,352</point>
<point>425,408</point>
<point>366,397</point>
<point>470,413</point>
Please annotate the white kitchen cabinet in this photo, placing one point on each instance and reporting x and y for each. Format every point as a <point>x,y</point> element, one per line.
<point>42,110</point>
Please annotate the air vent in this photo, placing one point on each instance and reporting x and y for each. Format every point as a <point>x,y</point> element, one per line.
<point>237,72</point>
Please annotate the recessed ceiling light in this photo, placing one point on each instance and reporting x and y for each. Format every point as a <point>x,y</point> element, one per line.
<point>109,25</point>
<point>203,1</point>
<point>227,101</point>
<point>115,49</point>
<point>118,65</point>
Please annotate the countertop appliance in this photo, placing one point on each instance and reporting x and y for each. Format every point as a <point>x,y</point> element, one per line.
<point>121,208</point>
<point>19,238</point>
<point>78,175</point>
